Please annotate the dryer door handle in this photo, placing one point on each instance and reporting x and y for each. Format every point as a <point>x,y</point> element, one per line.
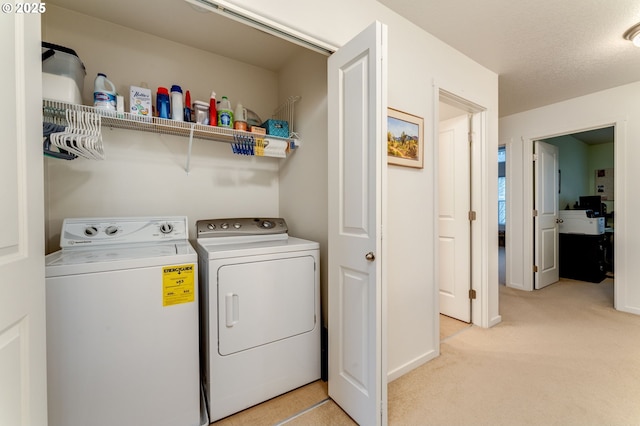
<point>232,311</point>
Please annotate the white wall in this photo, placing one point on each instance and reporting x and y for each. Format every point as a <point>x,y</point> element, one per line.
<point>620,107</point>
<point>417,61</point>
<point>303,177</point>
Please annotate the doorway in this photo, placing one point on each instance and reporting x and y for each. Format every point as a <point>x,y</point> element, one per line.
<point>586,184</point>
<point>459,124</point>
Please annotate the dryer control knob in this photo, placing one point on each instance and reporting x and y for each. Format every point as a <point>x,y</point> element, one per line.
<point>267,224</point>
<point>237,225</point>
<point>224,226</point>
<point>211,226</point>
<point>90,231</point>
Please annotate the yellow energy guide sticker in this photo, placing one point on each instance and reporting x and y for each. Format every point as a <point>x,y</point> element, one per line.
<point>178,284</point>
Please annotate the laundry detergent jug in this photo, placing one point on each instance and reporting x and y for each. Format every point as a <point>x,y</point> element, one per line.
<point>104,93</point>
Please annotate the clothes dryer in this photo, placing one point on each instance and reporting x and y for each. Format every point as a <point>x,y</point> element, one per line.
<point>122,324</point>
<point>260,307</point>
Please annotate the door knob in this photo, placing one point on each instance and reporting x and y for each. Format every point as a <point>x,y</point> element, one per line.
<point>559,221</point>
<point>370,256</point>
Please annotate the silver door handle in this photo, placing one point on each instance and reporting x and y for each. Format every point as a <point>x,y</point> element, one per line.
<point>559,221</point>
<point>370,256</point>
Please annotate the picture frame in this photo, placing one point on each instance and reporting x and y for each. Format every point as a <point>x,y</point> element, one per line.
<point>405,139</point>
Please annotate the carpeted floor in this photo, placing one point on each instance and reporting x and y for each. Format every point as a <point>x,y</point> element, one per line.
<point>561,356</point>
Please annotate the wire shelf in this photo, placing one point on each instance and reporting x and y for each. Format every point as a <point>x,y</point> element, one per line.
<point>243,143</point>
<point>55,111</point>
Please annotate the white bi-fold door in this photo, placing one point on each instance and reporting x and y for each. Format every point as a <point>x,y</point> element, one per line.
<point>357,179</point>
<point>23,399</point>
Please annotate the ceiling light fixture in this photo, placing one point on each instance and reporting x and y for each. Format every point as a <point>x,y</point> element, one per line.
<point>633,34</point>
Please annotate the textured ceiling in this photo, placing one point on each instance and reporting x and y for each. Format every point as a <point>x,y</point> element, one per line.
<point>544,51</point>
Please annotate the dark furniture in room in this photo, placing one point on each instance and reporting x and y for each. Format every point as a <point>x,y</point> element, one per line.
<point>585,257</point>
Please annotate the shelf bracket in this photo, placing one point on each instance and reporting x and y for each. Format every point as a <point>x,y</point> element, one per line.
<point>188,166</point>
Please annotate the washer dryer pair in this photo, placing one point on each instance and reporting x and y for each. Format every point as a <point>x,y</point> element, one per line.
<point>260,311</point>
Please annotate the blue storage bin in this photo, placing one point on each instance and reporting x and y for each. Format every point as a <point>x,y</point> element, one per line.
<point>278,128</point>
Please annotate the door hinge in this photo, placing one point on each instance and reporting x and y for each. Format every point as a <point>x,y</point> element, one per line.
<point>535,268</point>
<point>472,294</point>
<point>472,215</point>
<point>535,213</point>
<point>535,157</point>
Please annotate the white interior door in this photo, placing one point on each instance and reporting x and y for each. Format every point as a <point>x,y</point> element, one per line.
<point>454,204</point>
<point>357,167</point>
<point>23,398</point>
<point>546,269</point>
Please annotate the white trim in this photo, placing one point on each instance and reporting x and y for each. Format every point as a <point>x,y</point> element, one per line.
<point>412,365</point>
<point>262,23</point>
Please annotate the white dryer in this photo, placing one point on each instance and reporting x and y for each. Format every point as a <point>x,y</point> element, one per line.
<point>260,307</point>
<point>122,324</point>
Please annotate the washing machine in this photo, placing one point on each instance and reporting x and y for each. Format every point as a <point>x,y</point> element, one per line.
<point>122,324</point>
<point>260,311</point>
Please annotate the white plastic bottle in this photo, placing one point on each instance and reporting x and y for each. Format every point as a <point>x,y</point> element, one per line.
<point>177,103</point>
<point>104,93</point>
<point>225,113</point>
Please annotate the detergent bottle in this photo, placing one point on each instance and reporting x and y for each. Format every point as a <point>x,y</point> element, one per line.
<point>225,113</point>
<point>104,93</point>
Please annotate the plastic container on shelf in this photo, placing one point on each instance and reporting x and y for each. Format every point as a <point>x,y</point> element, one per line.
<point>177,103</point>
<point>62,74</point>
<point>104,93</point>
<point>187,106</point>
<point>201,112</point>
<point>240,118</point>
<point>225,113</point>
<point>213,111</point>
<point>163,103</point>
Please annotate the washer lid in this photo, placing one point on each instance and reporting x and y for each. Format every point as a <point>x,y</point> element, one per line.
<point>240,247</point>
<point>117,257</point>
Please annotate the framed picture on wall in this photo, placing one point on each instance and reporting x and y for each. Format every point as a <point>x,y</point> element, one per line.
<point>405,144</point>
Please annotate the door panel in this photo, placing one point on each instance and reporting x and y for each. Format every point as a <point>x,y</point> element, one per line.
<point>357,167</point>
<point>250,293</point>
<point>546,204</point>
<point>454,203</point>
<point>22,301</point>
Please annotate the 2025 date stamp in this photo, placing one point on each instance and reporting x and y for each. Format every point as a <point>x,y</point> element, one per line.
<point>24,8</point>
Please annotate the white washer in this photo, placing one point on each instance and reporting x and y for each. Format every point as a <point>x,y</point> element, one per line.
<point>122,324</point>
<point>260,307</point>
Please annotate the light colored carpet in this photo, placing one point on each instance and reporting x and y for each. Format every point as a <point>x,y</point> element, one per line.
<point>561,356</point>
<point>450,327</point>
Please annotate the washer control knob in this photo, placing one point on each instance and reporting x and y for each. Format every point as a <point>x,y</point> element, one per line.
<point>224,226</point>
<point>90,231</point>
<point>237,225</point>
<point>111,230</point>
<point>267,224</point>
<point>166,228</point>
<point>211,226</point>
